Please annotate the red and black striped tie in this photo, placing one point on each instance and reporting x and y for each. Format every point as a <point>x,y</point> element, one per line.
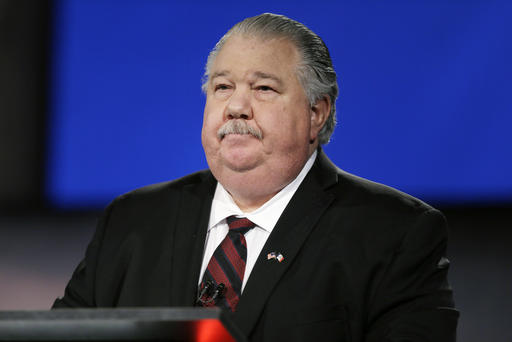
<point>227,266</point>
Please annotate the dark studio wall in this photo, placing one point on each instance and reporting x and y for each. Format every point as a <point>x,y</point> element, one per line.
<point>24,42</point>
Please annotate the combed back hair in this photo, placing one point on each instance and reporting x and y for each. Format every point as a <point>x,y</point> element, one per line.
<point>315,70</point>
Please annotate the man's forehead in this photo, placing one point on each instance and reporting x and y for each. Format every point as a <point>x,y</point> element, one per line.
<point>240,47</point>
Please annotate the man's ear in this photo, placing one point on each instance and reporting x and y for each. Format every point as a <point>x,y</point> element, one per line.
<point>319,113</point>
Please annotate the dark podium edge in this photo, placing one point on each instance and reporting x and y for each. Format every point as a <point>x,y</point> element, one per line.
<point>112,324</point>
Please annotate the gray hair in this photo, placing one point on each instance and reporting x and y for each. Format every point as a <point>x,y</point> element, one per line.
<point>315,70</point>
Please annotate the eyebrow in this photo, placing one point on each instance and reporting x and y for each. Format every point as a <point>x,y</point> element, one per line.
<point>219,74</point>
<point>264,75</point>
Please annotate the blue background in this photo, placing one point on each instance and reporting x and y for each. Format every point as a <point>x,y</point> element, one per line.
<point>424,105</point>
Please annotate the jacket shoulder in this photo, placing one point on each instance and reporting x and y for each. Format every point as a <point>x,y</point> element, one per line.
<point>361,191</point>
<point>354,191</point>
<point>172,187</point>
<point>158,199</point>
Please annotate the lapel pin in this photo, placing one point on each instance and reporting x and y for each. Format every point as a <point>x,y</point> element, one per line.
<point>277,256</point>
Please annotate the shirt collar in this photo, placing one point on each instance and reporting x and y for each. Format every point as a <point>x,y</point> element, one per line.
<point>265,216</point>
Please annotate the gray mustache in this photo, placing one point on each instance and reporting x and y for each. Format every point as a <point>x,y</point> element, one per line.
<point>238,127</point>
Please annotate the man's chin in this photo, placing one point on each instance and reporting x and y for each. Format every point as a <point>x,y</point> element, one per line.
<point>240,161</point>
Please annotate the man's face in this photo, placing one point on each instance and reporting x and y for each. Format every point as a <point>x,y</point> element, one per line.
<point>253,85</point>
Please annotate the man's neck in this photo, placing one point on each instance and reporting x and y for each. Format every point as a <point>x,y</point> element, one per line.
<point>248,205</point>
<point>251,203</point>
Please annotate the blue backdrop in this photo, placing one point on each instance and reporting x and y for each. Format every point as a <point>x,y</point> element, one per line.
<point>424,106</point>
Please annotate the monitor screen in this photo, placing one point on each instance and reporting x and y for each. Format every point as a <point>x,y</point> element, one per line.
<point>424,101</point>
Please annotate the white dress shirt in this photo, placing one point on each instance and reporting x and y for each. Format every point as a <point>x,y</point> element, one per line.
<point>265,218</point>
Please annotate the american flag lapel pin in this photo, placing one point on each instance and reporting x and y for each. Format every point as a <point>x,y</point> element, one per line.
<point>277,256</point>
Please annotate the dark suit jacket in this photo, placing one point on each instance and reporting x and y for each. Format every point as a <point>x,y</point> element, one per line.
<point>362,262</point>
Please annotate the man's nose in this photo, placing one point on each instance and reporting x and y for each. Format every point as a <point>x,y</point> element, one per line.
<point>239,105</point>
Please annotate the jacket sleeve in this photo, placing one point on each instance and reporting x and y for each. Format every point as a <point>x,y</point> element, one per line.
<point>80,291</point>
<point>413,301</point>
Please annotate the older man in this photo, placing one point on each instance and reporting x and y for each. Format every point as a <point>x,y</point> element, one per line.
<point>275,233</point>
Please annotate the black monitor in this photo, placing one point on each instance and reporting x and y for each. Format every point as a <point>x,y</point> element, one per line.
<point>126,324</point>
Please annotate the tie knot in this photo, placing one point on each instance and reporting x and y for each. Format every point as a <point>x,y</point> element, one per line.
<point>239,224</point>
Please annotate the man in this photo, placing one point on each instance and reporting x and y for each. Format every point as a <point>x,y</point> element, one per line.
<point>294,247</point>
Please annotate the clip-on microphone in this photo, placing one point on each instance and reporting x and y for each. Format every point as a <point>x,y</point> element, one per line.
<point>208,288</point>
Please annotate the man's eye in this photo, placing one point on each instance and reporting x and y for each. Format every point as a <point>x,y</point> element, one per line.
<point>221,87</point>
<point>265,88</point>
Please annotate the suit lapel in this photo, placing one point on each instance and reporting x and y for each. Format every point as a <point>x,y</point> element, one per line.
<point>291,231</point>
<point>189,237</point>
